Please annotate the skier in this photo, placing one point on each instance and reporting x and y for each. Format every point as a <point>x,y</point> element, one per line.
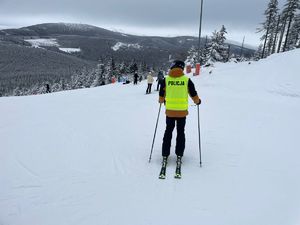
<point>48,88</point>
<point>150,81</point>
<point>174,93</point>
<point>136,76</point>
<point>160,79</point>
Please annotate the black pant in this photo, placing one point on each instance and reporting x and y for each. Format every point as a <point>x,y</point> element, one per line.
<point>148,91</point>
<point>158,85</point>
<point>180,140</point>
<point>135,81</point>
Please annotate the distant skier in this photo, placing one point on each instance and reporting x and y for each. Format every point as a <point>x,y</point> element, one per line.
<point>136,77</point>
<point>150,81</point>
<point>174,93</point>
<point>160,79</point>
<point>48,88</point>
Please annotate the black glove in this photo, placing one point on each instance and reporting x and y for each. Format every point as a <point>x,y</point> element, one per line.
<point>199,102</point>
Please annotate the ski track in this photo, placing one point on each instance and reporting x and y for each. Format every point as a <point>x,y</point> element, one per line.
<point>26,168</point>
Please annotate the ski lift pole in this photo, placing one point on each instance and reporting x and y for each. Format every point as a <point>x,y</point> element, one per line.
<point>155,132</point>
<point>200,30</point>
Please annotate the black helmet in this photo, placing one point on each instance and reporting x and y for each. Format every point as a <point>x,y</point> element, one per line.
<point>177,64</point>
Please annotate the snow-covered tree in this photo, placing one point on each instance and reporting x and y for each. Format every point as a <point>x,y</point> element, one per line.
<point>258,53</point>
<point>289,12</point>
<point>192,56</point>
<point>108,72</point>
<point>294,37</point>
<point>217,47</point>
<point>78,80</point>
<point>99,75</point>
<point>269,27</point>
<point>133,67</point>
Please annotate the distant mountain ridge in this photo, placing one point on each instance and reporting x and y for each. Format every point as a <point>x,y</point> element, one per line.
<point>48,29</point>
<point>97,42</point>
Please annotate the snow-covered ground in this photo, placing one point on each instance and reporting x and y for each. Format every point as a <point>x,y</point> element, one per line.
<point>81,157</point>
<point>47,42</point>
<point>70,50</point>
<point>50,42</point>
<point>120,45</point>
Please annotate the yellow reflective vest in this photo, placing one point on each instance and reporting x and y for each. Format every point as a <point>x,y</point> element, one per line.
<point>177,93</point>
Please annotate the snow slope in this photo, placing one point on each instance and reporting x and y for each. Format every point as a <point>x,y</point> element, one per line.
<point>43,42</point>
<point>80,157</point>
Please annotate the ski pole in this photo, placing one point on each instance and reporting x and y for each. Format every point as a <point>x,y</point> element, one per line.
<point>155,133</point>
<point>199,136</point>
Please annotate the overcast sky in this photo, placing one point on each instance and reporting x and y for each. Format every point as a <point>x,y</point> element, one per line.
<point>143,17</point>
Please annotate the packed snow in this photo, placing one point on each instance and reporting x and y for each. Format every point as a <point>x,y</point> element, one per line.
<point>120,45</point>
<point>70,50</point>
<point>81,157</point>
<point>43,42</point>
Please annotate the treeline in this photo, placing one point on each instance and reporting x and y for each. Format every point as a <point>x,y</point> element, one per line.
<point>107,71</point>
<point>281,29</point>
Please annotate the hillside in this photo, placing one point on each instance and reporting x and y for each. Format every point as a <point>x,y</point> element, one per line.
<point>81,157</point>
<point>22,66</point>
<point>96,42</point>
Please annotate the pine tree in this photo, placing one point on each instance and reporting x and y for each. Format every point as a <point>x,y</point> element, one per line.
<point>269,27</point>
<point>294,37</point>
<point>205,54</point>
<point>133,67</point>
<point>108,71</point>
<point>192,56</point>
<point>282,28</point>
<point>289,13</point>
<point>217,47</point>
<point>78,80</point>
<point>276,33</point>
<point>258,53</point>
<point>55,87</point>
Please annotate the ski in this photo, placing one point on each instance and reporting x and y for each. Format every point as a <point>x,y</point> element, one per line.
<point>162,174</point>
<point>178,168</point>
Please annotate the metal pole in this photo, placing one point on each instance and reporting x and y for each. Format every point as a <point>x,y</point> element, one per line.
<point>200,29</point>
<point>242,48</point>
<point>199,136</point>
<point>155,132</point>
